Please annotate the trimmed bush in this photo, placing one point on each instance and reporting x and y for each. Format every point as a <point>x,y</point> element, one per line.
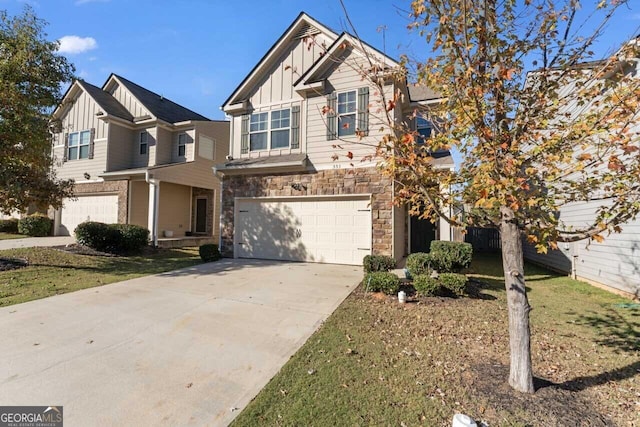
<point>455,283</point>
<point>426,286</point>
<point>374,263</point>
<point>382,281</point>
<point>36,225</point>
<point>112,238</point>
<point>132,238</point>
<point>450,257</point>
<point>419,263</point>
<point>9,225</point>
<point>209,252</point>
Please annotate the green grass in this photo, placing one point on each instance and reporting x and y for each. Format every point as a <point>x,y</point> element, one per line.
<point>52,272</point>
<point>7,236</point>
<point>375,362</point>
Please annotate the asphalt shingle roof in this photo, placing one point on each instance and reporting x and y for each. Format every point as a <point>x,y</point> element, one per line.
<point>106,101</point>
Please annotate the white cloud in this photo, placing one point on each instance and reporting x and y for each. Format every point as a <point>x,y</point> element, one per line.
<point>75,44</point>
<point>81,2</point>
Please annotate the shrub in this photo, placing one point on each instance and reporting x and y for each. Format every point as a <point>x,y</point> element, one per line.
<point>36,225</point>
<point>426,286</point>
<point>132,238</point>
<point>98,236</point>
<point>112,238</point>
<point>9,225</point>
<point>209,252</point>
<point>455,283</point>
<point>382,281</point>
<point>419,263</point>
<point>450,257</point>
<point>373,263</point>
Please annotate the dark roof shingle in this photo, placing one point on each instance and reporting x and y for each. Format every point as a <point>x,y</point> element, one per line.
<point>106,101</point>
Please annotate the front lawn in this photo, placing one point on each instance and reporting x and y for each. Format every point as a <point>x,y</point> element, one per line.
<point>7,236</point>
<point>51,271</point>
<point>375,362</point>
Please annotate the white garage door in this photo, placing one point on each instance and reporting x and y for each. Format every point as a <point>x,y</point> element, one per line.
<point>87,208</point>
<point>334,231</point>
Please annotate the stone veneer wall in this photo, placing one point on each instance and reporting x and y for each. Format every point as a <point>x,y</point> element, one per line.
<point>211,202</point>
<point>320,183</point>
<point>121,188</point>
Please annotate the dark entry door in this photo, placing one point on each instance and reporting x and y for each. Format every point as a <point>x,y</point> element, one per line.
<point>423,232</point>
<point>201,215</point>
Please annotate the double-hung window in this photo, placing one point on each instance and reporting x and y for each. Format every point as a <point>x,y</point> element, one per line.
<point>78,145</point>
<point>182,145</point>
<point>424,129</point>
<point>144,142</point>
<point>347,109</point>
<point>270,130</point>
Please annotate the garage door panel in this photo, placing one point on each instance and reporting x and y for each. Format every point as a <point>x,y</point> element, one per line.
<point>331,231</point>
<point>87,208</point>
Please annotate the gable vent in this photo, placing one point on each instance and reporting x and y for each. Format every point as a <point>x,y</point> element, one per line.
<point>306,31</point>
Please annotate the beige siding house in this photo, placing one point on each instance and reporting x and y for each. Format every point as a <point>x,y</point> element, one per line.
<point>294,186</point>
<point>137,158</point>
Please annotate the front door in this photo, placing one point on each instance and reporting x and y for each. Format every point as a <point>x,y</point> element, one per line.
<point>423,232</point>
<point>201,215</point>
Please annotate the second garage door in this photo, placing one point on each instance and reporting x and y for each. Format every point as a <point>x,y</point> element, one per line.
<point>87,208</point>
<point>334,231</point>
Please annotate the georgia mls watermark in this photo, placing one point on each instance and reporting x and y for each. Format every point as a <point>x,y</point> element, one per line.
<point>30,416</point>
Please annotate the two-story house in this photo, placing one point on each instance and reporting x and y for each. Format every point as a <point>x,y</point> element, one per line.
<point>301,182</point>
<point>136,158</point>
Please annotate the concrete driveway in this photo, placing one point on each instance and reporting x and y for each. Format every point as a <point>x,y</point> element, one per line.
<point>179,348</point>
<point>31,242</point>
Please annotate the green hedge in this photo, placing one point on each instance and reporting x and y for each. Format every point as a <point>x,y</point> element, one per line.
<point>36,225</point>
<point>374,263</point>
<point>209,252</point>
<point>450,257</point>
<point>455,283</point>
<point>382,281</point>
<point>9,225</point>
<point>112,238</point>
<point>419,263</point>
<point>426,286</point>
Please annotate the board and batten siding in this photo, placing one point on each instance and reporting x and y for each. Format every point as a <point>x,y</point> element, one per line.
<point>277,85</point>
<point>129,102</point>
<point>615,262</point>
<point>81,116</point>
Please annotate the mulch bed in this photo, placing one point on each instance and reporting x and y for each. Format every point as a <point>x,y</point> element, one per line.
<point>7,264</point>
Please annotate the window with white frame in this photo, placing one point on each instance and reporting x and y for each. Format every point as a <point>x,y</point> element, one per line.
<point>182,145</point>
<point>78,145</point>
<point>424,129</point>
<point>270,130</point>
<point>347,111</point>
<point>144,142</point>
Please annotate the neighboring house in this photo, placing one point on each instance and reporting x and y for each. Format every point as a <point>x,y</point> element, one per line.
<point>136,158</point>
<point>613,263</point>
<point>298,184</point>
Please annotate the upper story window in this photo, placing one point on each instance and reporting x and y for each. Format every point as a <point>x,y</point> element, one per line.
<point>347,109</point>
<point>270,130</point>
<point>424,129</point>
<point>144,143</point>
<point>78,145</point>
<point>182,145</point>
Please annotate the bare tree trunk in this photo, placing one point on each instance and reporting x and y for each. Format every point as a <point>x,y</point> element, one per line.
<point>520,373</point>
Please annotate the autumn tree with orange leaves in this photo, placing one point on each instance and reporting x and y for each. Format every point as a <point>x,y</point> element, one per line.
<point>538,125</point>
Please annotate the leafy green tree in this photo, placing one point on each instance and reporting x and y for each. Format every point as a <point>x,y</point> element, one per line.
<point>32,75</point>
<point>531,141</point>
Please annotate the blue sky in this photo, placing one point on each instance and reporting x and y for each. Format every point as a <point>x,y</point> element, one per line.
<point>195,52</point>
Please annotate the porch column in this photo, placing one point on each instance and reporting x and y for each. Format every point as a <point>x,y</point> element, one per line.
<point>154,197</point>
<point>444,228</point>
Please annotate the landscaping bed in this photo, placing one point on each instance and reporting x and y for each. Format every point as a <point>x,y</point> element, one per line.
<point>52,271</point>
<point>377,362</point>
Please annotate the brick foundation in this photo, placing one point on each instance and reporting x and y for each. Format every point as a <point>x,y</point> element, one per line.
<point>320,183</point>
<point>121,188</point>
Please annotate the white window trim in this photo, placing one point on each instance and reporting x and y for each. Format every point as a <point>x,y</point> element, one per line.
<point>145,143</point>
<point>183,144</point>
<point>339,115</point>
<point>69,146</point>
<point>269,130</point>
